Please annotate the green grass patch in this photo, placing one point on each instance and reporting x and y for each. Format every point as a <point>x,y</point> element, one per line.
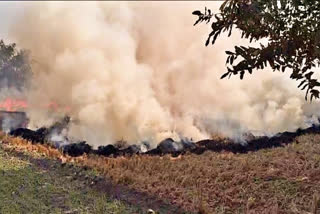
<point>25,188</point>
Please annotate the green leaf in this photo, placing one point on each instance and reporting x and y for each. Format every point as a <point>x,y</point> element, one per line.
<point>231,59</point>
<point>223,5</point>
<point>224,75</point>
<point>197,12</point>
<point>308,75</point>
<point>208,41</point>
<point>301,83</point>
<point>241,75</point>
<point>304,87</point>
<point>292,37</point>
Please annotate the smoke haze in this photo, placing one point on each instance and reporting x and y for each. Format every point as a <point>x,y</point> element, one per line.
<point>140,71</point>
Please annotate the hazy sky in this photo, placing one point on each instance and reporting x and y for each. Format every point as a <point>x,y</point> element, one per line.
<point>8,12</point>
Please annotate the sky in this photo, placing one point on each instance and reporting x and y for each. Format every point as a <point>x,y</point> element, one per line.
<point>8,12</point>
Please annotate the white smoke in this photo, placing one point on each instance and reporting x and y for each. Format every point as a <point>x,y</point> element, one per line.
<point>140,71</point>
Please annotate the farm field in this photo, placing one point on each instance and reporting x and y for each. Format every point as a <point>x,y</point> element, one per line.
<point>153,107</point>
<point>277,180</point>
<point>37,185</point>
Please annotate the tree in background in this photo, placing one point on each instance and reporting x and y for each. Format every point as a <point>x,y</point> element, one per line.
<point>291,28</point>
<point>15,69</point>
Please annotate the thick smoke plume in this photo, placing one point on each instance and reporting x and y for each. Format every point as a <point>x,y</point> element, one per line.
<point>139,71</point>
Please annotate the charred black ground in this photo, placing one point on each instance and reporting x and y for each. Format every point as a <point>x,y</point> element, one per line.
<point>168,146</point>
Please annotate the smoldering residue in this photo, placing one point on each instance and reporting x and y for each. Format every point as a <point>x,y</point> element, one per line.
<point>140,71</point>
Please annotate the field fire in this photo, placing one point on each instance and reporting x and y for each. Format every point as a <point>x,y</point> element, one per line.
<point>12,104</point>
<point>53,135</point>
<point>128,99</point>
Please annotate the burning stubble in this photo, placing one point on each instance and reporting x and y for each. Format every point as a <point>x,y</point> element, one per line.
<point>139,71</point>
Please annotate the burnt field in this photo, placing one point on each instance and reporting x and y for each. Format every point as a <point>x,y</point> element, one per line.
<point>53,136</point>
<point>280,175</point>
<point>146,107</point>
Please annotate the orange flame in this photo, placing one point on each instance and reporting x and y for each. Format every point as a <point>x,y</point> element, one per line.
<point>10,104</point>
<point>13,104</point>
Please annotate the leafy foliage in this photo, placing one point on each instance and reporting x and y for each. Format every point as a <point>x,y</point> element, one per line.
<point>291,28</point>
<point>15,68</point>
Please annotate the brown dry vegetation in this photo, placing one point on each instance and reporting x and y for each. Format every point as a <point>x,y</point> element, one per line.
<point>278,180</point>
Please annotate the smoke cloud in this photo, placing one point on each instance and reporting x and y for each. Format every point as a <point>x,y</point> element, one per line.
<point>139,71</point>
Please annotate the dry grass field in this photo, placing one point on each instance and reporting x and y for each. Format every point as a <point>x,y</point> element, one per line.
<point>277,180</point>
